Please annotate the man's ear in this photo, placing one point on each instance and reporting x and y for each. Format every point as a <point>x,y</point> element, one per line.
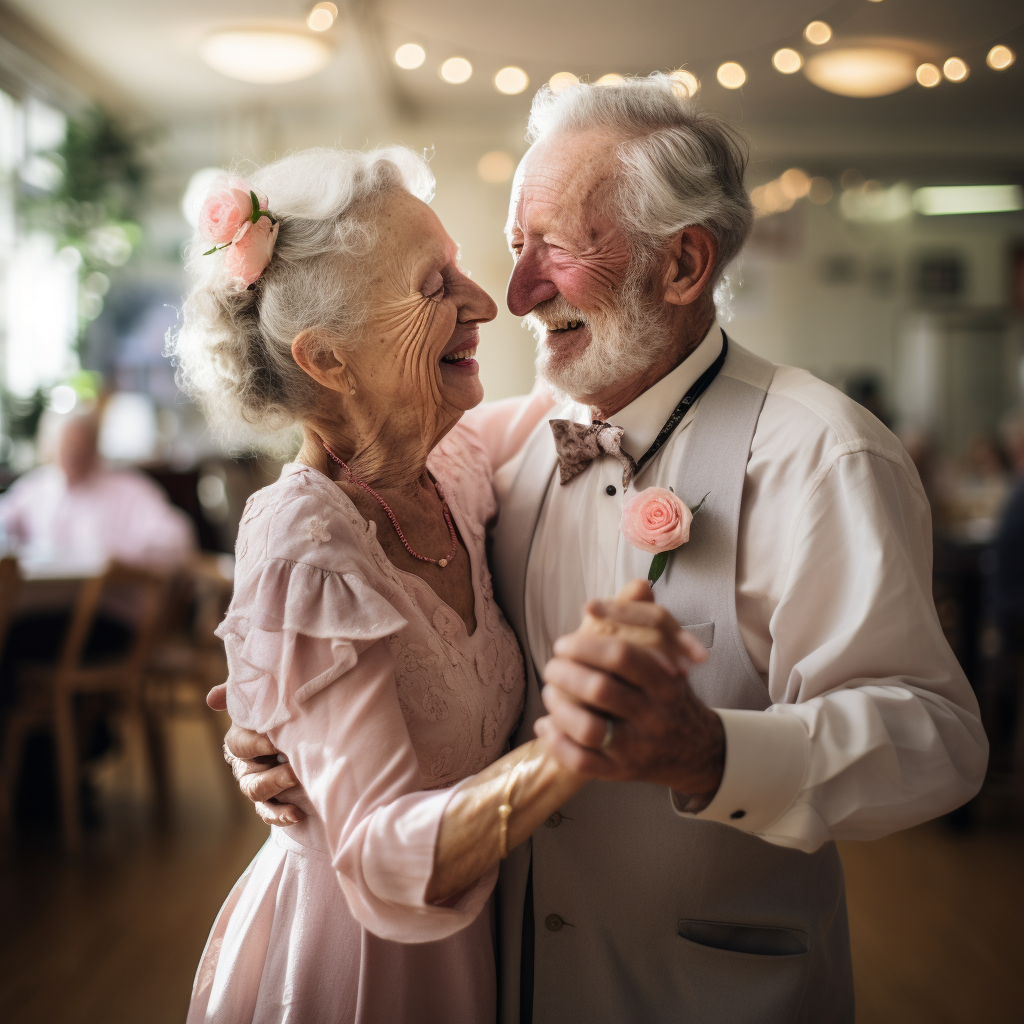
<point>692,258</point>
<point>324,363</point>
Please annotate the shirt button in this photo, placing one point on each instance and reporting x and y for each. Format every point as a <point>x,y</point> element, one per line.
<point>610,489</point>
<point>736,815</point>
<point>553,923</point>
<point>554,821</point>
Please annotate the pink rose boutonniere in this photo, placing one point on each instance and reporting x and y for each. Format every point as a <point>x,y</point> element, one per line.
<point>655,520</point>
<point>235,215</point>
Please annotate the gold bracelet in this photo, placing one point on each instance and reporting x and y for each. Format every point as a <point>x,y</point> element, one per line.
<point>505,811</point>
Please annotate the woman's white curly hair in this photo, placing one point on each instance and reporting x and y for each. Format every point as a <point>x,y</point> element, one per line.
<point>233,349</point>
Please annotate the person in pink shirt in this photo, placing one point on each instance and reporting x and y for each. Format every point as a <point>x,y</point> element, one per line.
<point>75,511</point>
<point>363,637</point>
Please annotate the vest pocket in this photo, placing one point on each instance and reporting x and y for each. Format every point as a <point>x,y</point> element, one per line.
<point>704,632</point>
<point>740,938</point>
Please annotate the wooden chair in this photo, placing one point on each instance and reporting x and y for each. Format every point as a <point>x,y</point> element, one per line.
<point>46,693</point>
<point>10,584</point>
<point>186,661</point>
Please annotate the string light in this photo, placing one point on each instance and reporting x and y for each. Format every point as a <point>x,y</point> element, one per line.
<point>929,76</point>
<point>456,70</point>
<point>787,61</point>
<point>321,18</point>
<point>731,75</point>
<point>1000,58</point>
<point>684,83</point>
<point>955,69</point>
<point>562,80</point>
<point>818,32</point>
<point>511,81</point>
<point>610,79</point>
<point>410,56</point>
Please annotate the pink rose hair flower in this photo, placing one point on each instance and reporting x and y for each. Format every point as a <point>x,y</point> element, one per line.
<point>251,251</point>
<point>657,521</point>
<point>235,216</point>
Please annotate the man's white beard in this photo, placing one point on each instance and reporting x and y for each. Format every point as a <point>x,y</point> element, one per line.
<point>624,342</point>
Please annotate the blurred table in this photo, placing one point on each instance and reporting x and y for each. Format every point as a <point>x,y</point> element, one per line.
<point>52,585</point>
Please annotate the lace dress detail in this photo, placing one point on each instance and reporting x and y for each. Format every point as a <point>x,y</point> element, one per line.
<point>384,704</point>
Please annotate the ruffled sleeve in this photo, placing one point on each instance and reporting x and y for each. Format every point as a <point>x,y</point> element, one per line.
<point>310,666</point>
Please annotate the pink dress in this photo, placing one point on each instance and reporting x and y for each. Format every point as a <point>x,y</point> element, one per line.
<point>384,705</point>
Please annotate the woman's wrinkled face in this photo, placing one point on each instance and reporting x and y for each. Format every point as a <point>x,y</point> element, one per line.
<point>416,352</point>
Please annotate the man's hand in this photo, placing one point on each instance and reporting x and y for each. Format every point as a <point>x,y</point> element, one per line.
<point>627,665</point>
<point>261,770</point>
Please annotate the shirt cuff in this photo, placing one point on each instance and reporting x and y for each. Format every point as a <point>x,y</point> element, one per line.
<point>765,763</point>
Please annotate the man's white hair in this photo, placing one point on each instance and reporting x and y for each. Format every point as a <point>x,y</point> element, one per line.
<point>233,349</point>
<point>681,163</point>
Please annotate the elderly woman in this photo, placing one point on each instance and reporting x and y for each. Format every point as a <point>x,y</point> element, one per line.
<point>363,636</point>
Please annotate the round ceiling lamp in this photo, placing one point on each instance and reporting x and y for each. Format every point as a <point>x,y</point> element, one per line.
<point>862,71</point>
<point>265,56</point>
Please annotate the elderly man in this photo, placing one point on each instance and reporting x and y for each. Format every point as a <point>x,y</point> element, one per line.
<point>700,882</point>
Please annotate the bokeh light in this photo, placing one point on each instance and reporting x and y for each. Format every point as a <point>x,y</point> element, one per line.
<point>731,75</point>
<point>787,61</point>
<point>818,32</point>
<point>511,81</point>
<point>562,80</point>
<point>410,56</point>
<point>1000,58</point>
<point>610,79</point>
<point>496,166</point>
<point>929,76</point>
<point>321,18</point>
<point>955,69</point>
<point>684,83</point>
<point>456,70</point>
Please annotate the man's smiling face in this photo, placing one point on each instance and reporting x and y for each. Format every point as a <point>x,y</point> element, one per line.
<point>581,287</point>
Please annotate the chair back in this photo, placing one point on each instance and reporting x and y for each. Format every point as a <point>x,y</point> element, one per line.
<point>10,584</point>
<point>148,589</point>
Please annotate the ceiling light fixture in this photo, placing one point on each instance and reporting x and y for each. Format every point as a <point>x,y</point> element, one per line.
<point>955,69</point>
<point>610,79</point>
<point>787,61</point>
<point>562,80</point>
<point>1000,58</point>
<point>265,56</point>
<point>410,56</point>
<point>862,72</point>
<point>928,75</point>
<point>818,32</point>
<point>951,199</point>
<point>731,75</point>
<point>321,18</point>
<point>684,83</point>
<point>511,81</point>
<point>456,70</point>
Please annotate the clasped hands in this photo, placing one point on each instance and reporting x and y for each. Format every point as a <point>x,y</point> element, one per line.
<point>627,664</point>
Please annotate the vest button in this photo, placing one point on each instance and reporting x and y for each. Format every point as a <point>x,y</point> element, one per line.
<point>610,489</point>
<point>554,821</point>
<point>553,923</point>
<point>736,815</point>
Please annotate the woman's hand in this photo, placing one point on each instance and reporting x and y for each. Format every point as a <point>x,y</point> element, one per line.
<point>620,704</point>
<point>260,769</point>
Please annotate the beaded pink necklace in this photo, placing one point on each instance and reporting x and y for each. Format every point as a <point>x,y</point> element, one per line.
<point>439,562</point>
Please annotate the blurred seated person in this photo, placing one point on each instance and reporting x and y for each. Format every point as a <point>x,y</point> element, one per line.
<point>75,512</point>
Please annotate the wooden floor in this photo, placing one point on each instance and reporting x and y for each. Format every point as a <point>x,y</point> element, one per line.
<point>114,936</point>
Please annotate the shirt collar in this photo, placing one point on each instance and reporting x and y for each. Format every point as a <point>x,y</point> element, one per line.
<point>644,417</point>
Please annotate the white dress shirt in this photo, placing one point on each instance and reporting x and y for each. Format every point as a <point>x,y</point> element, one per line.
<point>873,726</point>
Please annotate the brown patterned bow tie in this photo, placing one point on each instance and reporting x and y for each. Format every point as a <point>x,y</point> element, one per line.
<point>578,444</point>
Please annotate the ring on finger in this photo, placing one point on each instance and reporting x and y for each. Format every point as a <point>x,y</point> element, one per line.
<point>609,733</point>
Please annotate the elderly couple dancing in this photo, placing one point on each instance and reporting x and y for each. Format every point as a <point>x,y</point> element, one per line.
<point>566,798</point>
